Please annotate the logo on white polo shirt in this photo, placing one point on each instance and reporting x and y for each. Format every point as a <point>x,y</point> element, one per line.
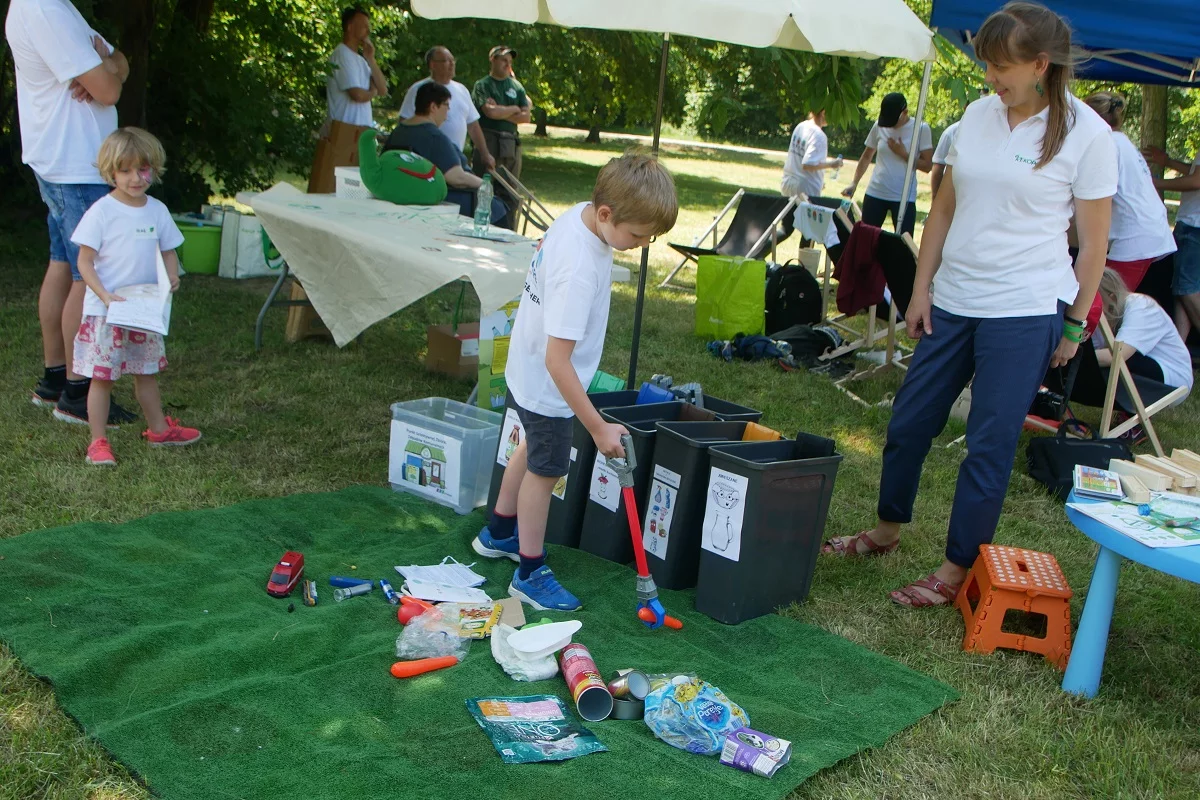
<point>1020,159</point>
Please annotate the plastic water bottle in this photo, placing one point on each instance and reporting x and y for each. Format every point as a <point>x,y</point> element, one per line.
<point>483,206</point>
<point>833,175</point>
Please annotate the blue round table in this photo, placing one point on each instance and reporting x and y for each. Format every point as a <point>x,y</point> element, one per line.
<point>1091,640</point>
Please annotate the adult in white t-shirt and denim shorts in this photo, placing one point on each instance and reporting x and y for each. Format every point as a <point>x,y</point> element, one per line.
<point>888,143</point>
<point>68,83</point>
<point>1186,285</point>
<point>1025,159</point>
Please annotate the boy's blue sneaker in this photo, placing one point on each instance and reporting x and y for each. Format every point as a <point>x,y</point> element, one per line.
<point>488,547</point>
<point>543,591</point>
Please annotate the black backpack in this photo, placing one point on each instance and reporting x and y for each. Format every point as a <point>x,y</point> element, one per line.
<point>793,298</point>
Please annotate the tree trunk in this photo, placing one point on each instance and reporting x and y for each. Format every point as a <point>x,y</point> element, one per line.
<point>593,136</point>
<point>137,26</point>
<point>539,116</point>
<point>1154,120</point>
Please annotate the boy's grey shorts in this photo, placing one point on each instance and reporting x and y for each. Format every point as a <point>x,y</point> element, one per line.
<point>547,442</point>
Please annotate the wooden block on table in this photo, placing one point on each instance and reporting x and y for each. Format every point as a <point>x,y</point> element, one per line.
<point>1135,490</point>
<point>1154,481</point>
<point>1180,478</point>
<point>1186,459</point>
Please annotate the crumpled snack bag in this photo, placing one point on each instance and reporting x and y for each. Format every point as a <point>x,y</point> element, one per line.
<point>692,714</point>
<point>519,669</point>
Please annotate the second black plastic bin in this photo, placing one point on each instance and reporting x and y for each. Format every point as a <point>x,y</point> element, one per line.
<point>763,525</point>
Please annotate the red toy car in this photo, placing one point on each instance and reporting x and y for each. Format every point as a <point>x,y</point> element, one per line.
<point>286,575</point>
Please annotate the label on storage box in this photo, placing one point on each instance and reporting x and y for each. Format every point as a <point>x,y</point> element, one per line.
<point>512,433</point>
<point>726,503</point>
<point>425,461</point>
<point>660,510</point>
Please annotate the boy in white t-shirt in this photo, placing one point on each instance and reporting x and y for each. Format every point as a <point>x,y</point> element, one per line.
<point>554,353</point>
<point>119,240</point>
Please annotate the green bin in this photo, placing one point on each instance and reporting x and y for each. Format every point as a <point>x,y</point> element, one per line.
<point>200,252</point>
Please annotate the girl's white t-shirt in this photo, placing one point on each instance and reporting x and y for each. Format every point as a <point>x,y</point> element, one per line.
<point>1189,202</point>
<point>1139,219</point>
<point>1148,329</point>
<point>566,295</point>
<point>126,240</point>
<point>1005,254</point>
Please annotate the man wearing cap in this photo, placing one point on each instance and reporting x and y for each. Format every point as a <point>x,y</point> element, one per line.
<point>890,137</point>
<point>463,118</point>
<point>502,104</point>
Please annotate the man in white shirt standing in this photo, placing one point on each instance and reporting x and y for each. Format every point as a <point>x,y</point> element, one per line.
<point>463,119</point>
<point>807,158</point>
<point>890,137</point>
<point>354,81</point>
<point>68,82</point>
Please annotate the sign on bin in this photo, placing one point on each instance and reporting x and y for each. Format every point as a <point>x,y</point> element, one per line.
<point>605,488</point>
<point>512,433</point>
<point>425,461</point>
<point>723,514</point>
<point>664,494</point>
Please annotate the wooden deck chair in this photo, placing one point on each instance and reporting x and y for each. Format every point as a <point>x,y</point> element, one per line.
<point>897,253</point>
<point>856,340</point>
<point>530,210</point>
<point>759,224</point>
<point>1112,389</point>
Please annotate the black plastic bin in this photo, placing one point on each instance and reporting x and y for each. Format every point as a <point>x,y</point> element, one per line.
<point>569,499</point>
<point>566,508</point>
<point>731,411</point>
<point>675,498</point>
<point>605,530</point>
<point>763,558</point>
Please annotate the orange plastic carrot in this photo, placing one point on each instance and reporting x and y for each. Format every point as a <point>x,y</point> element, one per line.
<point>408,669</point>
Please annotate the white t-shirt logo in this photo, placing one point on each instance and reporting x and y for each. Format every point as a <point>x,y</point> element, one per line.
<point>145,232</point>
<point>1023,160</point>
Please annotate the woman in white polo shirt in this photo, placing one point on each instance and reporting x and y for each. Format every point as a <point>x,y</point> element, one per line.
<point>1140,233</point>
<point>1025,158</point>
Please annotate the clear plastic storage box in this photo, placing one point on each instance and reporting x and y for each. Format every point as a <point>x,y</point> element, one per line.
<point>443,450</point>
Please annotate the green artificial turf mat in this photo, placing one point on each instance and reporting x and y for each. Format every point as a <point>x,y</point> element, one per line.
<point>160,640</point>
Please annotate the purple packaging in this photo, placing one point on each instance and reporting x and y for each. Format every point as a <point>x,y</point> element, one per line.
<point>754,751</point>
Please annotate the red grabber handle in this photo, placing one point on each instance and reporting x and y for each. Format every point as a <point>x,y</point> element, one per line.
<point>635,529</point>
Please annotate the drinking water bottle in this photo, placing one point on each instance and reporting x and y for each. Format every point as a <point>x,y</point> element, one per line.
<point>833,175</point>
<point>483,206</point>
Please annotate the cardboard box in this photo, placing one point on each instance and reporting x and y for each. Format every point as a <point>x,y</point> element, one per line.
<point>453,354</point>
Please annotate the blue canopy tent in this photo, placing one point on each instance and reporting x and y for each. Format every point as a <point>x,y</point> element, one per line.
<point>1150,41</point>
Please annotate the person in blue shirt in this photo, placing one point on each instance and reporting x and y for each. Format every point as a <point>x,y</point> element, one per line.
<point>420,134</point>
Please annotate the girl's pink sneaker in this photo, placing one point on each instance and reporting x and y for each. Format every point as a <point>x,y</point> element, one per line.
<point>100,454</point>
<point>174,436</point>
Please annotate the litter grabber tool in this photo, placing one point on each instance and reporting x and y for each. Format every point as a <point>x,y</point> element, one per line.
<point>649,609</point>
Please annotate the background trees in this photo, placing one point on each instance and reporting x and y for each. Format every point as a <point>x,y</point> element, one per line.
<point>235,88</point>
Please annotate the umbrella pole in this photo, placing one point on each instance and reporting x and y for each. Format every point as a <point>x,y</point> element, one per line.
<point>641,294</point>
<point>911,174</point>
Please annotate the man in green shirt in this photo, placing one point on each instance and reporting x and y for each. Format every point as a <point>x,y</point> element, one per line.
<point>502,105</point>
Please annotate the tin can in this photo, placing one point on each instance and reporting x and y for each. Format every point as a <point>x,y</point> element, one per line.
<point>629,684</point>
<point>591,695</point>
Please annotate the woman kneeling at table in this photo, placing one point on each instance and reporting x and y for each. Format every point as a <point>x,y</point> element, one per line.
<point>420,134</point>
<point>1024,158</point>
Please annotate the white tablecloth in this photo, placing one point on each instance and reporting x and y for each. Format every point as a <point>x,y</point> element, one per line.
<point>361,261</point>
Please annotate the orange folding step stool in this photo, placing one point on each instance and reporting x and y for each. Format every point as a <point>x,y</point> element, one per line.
<point>1005,578</point>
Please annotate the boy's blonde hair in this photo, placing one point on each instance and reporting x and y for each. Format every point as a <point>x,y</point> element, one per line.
<point>130,146</point>
<point>638,189</point>
<point>1113,294</point>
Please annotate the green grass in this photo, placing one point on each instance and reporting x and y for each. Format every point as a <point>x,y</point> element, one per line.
<point>309,417</point>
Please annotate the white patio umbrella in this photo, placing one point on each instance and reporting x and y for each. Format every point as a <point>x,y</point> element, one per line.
<point>859,28</point>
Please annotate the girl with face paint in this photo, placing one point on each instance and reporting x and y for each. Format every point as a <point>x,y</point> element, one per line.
<point>120,238</point>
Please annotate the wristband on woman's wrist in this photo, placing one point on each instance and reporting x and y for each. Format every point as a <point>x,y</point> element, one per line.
<point>1074,333</point>
<point>1069,319</point>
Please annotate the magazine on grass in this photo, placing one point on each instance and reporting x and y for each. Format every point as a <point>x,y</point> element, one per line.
<point>146,307</point>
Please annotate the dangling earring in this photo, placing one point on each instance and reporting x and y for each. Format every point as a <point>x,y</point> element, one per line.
<point>1037,87</point>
